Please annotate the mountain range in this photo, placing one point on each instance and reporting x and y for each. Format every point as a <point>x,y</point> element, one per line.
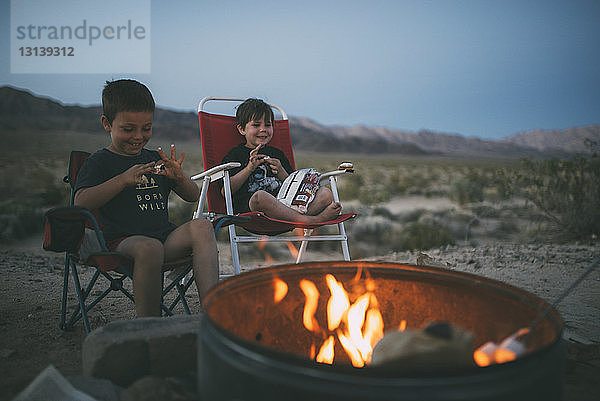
<point>22,112</point>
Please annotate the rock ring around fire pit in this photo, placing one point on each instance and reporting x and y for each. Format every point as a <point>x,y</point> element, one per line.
<point>265,331</point>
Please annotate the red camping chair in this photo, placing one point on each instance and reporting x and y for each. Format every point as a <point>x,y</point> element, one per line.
<point>69,229</point>
<point>218,134</point>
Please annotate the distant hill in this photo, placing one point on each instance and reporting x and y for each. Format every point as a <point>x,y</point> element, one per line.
<point>571,139</point>
<point>385,140</point>
<point>24,113</point>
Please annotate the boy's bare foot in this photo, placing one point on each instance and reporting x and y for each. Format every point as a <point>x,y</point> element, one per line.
<point>329,213</point>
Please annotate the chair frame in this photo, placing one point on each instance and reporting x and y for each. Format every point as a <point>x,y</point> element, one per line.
<point>116,274</point>
<point>222,172</point>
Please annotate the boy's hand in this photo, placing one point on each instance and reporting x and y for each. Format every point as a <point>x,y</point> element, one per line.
<point>256,159</point>
<point>274,165</point>
<point>137,174</point>
<point>171,167</point>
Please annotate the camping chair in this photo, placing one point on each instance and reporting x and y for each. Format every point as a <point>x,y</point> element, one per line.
<point>218,134</point>
<point>75,231</point>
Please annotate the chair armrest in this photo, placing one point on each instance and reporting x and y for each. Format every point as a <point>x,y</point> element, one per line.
<point>64,228</point>
<point>217,170</point>
<point>213,174</point>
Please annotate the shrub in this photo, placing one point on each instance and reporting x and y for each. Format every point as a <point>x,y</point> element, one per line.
<point>397,184</point>
<point>371,197</point>
<point>567,191</point>
<point>424,236</point>
<point>372,229</point>
<point>350,187</point>
<point>466,191</point>
<point>411,216</point>
<point>19,220</point>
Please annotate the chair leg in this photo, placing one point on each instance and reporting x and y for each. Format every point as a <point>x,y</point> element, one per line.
<point>82,295</point>
<point>235,256</point>
<point>181,285</point>
<point>181,290</point>
<point>165,309</point>
<point>303,245</point>
<point>81,310</point>
<point>345,249</point>
<point>81,298</point>
<point>63,308</point>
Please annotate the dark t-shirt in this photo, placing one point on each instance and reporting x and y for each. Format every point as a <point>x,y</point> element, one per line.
<point>137,210</point>
<point>261,179</point>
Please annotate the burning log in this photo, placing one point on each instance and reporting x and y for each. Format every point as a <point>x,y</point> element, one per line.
<point>437,347</point>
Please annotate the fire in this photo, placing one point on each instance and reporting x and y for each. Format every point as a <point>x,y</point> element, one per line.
<point>357,326</point>
<point>312,302</point>
<point>326,352</point>
<point>508,350</point>
<point>281,289</point>
<point>373,331</point>
<point>261,248</point>
<point>293,250</point>
<point>338,302</point>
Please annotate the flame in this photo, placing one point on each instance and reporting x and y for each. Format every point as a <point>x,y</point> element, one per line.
<point>351,350</point>
<point>362,339</point>
<point>281,289</point>
<point>484,355</point>
<point>356,319</point>
<point>357,326</point>
<point>310,307</point>
<point>508,350</point>
<point>261,244</point>
<point>326,354</point>
<point>491,353</point>
<point>373,331</point>
<point>481,359</point>
<point>261,248</point>
<point>338,302</point>
<point>293,249</point>
<point>503,355</point>
<point>358,273</point>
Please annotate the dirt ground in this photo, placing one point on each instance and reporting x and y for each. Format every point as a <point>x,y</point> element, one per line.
<point>31,285</point>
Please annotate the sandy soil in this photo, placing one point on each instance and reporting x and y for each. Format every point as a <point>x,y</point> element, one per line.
<point>30,293</point>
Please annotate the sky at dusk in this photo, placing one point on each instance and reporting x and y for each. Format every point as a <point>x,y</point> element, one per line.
<point>480,68</point>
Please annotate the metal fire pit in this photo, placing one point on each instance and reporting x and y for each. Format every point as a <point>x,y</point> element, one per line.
<point>251,348</point>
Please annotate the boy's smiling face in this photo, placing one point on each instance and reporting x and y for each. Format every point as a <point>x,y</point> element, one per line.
<point>130,131</point>
<point>257,132</point>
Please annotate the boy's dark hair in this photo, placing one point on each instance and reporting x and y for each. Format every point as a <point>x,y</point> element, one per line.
<point>253,109</point>
<point>125,95</point>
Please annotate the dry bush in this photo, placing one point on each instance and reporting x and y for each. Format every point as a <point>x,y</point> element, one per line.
<point>567,191</point>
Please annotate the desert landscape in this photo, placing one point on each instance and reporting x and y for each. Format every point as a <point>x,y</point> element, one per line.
<point>482,211</point>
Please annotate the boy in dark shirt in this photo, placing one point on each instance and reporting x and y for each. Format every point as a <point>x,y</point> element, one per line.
<point>129,186</point>
<point>256,182</point>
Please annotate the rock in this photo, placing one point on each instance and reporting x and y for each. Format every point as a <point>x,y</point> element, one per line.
<point>425,260</point>
<point>100,389</point>
<point>152,388</point>
<point>51,385</point>
<point>438,347</point>
<point>124,351</point>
